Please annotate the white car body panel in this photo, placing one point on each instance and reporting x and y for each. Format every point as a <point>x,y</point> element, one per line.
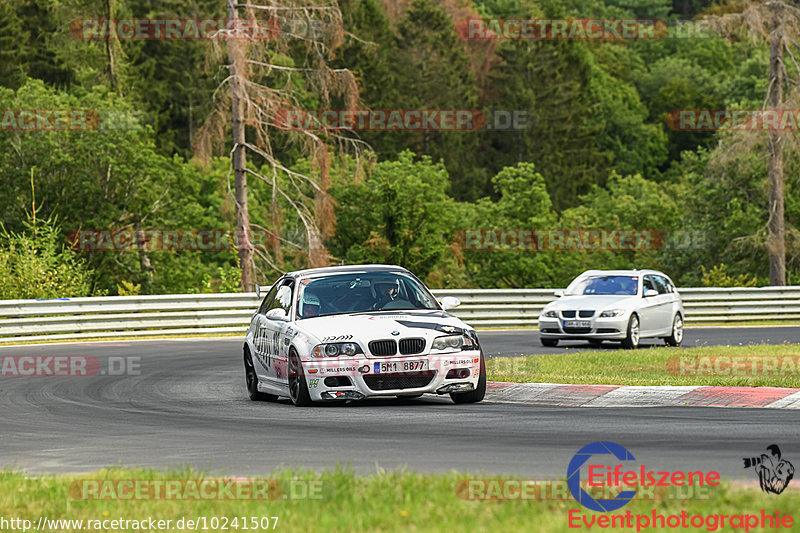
<point>269,342</point>
<point>656,313</point>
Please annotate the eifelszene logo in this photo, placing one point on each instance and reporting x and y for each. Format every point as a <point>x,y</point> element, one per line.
<point>574,476</point>
<point>626,474</point>
<point>774,473</point>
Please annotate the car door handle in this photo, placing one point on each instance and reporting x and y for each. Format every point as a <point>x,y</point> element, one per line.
<point>262,326</point>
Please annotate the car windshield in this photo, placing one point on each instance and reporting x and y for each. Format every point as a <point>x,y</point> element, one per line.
<point>607,285</point>
<point>361,292</point>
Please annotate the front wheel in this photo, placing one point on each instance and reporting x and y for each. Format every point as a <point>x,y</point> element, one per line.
<point>551,343</point>
<point>677,332</point>
<point>251,379</point>
<point>631,342</point>
<point>298,388</point>
<point>476,395</point>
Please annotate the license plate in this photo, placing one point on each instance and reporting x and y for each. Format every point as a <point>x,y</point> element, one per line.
<point>400,366</point>
<point>576,324</point>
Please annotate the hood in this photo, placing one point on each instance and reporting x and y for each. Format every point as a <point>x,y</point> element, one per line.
<point>365,327</point>
<point>591,301</point>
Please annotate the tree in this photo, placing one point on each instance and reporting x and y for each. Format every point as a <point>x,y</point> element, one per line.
<point>110,177</point>
<point>399,214</point>
<point>278,72</point>
<point>431,70</point>
<point>523,204</point>
<point>35,263</point>
<point>169,77</point>
<point>776,23</point>
<point>548,80</point>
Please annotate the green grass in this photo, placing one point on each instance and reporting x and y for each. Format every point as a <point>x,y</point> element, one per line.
<point>744,323</point>
<point>393,501</point>
<point>650,366</point>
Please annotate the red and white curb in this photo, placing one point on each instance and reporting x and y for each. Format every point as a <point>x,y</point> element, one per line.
<point>634,396</point>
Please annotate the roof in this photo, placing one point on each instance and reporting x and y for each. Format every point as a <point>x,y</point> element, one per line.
<point>630,272</point>
<point>346,268</point>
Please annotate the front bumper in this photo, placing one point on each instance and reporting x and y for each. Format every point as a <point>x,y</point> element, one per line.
<point>355,378</point>
<point>608,328</point>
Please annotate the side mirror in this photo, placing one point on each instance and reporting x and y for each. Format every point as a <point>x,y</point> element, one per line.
<point>258,291</point>
<point>449,302</point>
<point>650,292</point>
<point>277,314</point>
<point>558,294</point>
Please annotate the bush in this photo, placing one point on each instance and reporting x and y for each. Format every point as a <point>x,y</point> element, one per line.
<point>718,277</point>
<point>36,264</point>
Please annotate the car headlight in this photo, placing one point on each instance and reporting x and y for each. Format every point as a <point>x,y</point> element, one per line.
<point>453,342</point>
<point>550,314</point>
<point>335,349</point>
<point>612,312</point>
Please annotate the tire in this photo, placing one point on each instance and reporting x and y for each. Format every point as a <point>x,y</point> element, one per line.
<point>251,381</point>
<point>548,342</point>
<point>298,388</point>
<point>631,342</point>
<point>677,332</point>
<point>476,395</point>
<point>595,342</point>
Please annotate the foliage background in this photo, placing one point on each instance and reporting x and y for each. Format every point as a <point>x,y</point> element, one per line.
<point>597,155</point>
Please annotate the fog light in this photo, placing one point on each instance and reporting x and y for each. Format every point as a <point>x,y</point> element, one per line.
<point>455,387</point>
<point>337,381</point>
<point>457,373</point>
<point>342,395</point>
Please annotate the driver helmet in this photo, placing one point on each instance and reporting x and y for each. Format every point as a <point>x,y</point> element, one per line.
<point>388,289</point>
<point>311,304</point>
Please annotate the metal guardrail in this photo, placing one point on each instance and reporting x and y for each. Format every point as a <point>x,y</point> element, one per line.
<point>192,314</point>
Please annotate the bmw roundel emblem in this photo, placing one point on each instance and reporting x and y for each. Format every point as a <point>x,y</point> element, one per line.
<point>395,333</point>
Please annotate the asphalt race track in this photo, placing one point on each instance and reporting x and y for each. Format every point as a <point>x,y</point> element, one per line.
<point>188,406</point>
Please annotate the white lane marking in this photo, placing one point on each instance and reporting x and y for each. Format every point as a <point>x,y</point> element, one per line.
<point>641,396</point>
<point>522,392</point>
<point>788,402</point>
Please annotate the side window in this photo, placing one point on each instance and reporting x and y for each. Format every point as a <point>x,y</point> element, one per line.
<point>661,285</point>
<point>264,307</point>
<point>647,284</point>
<point>283,297</point>
<point>670,287</point>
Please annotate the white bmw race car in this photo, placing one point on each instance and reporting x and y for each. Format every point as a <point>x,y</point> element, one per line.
<point>355,332</point>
